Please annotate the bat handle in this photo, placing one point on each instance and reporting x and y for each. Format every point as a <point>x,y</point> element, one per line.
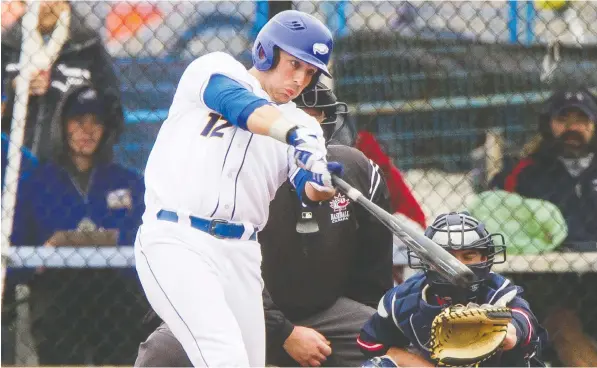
<point>348,189</point>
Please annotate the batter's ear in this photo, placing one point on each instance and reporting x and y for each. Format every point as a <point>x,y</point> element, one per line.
<point>261,52</point>
<point>276,57</point>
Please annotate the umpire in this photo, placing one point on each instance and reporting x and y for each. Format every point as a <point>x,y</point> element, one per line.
<point>325,268</point>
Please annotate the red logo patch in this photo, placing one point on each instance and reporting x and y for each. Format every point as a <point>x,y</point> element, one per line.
<point>339,202</point>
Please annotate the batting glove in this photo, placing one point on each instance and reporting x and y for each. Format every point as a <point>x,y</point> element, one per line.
<point>309,150</point>
<point>323,181</point>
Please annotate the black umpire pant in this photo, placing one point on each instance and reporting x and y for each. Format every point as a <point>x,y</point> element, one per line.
<point>340,324</point>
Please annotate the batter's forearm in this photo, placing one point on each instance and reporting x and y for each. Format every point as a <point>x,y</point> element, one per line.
<point>268,120</point>
<point>316,195</point>
<point>404,358</point>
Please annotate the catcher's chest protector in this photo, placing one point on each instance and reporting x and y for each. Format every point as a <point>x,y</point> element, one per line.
<point>415,317</point>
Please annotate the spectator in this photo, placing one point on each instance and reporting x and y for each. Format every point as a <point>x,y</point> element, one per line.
<point>69,53</point>
<point>324,268</point>
<point>82,316</point>
<point>573,347</point>
<point>12,11</point>
<point>28,161</point>
<point>563,168</point>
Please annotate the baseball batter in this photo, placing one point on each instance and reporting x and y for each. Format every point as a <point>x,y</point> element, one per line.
<point>232,137</point>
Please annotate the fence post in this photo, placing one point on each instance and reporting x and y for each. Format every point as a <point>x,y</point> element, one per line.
<point>261,16</point>
<point>513,20</point>
<point>529,22</point>
<point>276,7</point>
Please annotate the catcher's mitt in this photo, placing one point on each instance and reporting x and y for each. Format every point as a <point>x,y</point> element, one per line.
<point>466,336</point>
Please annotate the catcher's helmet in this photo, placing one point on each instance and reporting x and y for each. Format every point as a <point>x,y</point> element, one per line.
<point>322,97</point>
<point>460,231</point>
<point>299,34</point>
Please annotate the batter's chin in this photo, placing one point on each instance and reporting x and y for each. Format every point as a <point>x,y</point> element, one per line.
<point>282,98</point>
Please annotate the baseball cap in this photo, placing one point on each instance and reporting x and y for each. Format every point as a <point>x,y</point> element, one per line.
<point>84,101</point>
<point>581,100</point>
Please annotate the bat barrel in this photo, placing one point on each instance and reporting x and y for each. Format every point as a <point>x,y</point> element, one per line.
<point>430,252</point>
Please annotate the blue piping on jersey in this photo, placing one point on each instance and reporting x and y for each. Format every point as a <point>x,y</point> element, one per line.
<point>223,164</point>
<point>238,173</point>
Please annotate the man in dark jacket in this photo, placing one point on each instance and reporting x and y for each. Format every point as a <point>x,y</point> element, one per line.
<point>563,169</point>
<point>81,198</point>
<point>79,57</point>
<point>324,268</point>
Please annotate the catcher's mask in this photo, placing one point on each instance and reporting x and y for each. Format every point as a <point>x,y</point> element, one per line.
<point>460,231</point>
<point>322,97</point>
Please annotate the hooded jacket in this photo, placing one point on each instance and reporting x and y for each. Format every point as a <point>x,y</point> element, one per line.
<point>82,59</point>
<point>113,200</point>
<point>57,131</point>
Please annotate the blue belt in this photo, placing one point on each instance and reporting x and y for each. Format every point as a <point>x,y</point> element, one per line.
<point>221,229</point>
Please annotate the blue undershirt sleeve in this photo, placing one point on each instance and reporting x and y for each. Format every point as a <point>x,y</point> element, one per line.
<point>230,99</point>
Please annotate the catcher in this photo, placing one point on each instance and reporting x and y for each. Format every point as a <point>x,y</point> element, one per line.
<point>428,322</point>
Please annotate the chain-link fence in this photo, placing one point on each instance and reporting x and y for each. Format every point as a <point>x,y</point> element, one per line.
<point>456,94</point>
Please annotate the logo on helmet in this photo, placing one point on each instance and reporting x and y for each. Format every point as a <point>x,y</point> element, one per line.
<point>87,95</point>
<point>320,48</point>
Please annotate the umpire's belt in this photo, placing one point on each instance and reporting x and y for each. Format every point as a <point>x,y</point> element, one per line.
<point>221,229</point>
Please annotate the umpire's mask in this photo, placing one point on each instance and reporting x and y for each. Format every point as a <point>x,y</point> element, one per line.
<point>322,98</point>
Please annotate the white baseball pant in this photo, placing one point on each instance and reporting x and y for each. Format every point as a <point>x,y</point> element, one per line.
<point>208,290</point>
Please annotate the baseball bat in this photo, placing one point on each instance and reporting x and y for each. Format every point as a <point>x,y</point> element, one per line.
<point>431,253</point>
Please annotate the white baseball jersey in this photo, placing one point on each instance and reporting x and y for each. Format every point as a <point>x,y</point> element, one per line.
<point>204,166</point>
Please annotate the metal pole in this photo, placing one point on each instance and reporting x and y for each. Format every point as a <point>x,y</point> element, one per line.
<point>276,7</point>
<point>513,21</point>
<point>17,132</point>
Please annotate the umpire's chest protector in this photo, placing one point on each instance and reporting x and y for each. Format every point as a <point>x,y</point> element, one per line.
<point>308,253</point>
<point>322,235</point>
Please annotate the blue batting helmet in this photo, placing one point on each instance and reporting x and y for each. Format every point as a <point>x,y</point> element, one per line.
<point>299,34</point>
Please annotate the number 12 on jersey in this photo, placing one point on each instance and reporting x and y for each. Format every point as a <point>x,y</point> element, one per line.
<point>211,130</point>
